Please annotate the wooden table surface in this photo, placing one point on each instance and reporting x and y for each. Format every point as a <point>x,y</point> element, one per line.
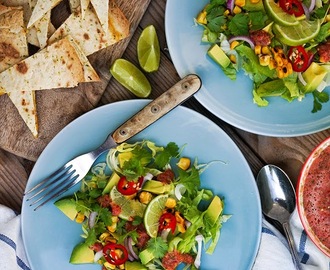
<point>287,153</point>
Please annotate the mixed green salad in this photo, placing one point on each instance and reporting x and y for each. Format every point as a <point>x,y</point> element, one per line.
<point>283,45</point>
<point>144,208</point>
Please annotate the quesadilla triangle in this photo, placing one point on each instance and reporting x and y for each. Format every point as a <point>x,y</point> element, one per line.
<point>88,32</point>
<point>25,102</point>
<point>59,65</point>
<point>13,43</point>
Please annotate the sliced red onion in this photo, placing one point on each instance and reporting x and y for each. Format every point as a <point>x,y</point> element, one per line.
<point>179,190</point>
<point>131,250</point>
<point>301,79</point>
<point>199,239</point>
<point>230,5</point>
<point>242,38</point>
<point>146,178</point>
<point>98,255</point>
<point>92,219</point>
<point>312,5</point>
<point>165,234</point>
<point>306,11</point>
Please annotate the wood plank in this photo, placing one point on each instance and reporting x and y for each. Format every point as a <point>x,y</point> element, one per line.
<point>13,178</point>
<point>58,107</point>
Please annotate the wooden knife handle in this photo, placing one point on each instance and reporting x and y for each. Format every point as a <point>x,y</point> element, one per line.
<point>157,108</point>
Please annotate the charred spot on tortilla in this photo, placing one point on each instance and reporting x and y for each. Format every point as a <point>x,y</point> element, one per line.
<point>22,67</point>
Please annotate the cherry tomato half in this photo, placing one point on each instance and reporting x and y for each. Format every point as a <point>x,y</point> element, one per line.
<point>115,254</point>
<point>167,221</point>
<point>293,7</point>
<point>126,187</point>
<point>299,58</point>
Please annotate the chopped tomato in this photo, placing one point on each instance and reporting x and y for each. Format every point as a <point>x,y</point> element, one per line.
<point>126,187</point>
<point>115,254</point>
<point>299,58</point>
<point>293,7</point>
<point>167,221</point>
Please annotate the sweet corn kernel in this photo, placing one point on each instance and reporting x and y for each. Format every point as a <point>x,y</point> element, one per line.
<point>279,60</point>
<point>80,217</point>
<point>180,222</point>
<point>237,10</point>
<point>103,236</point>
<point>145,197</point>
<point>232,58</point>
<point>265,50</point>
<point>272,64</point>
<point>201,18</point>
<point>289,67</point>
<point>280,73</point>
<point>254,1</point>
<point>264,59</point>
<point>227,12</point>
<point>183,163</point>
<point>108,266</point>
<point>170,203</point>
<point>257,49</point>
<point>234,44</point>
<point>240,3</point>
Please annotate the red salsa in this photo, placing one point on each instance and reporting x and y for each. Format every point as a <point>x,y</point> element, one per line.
<point>316,194</point>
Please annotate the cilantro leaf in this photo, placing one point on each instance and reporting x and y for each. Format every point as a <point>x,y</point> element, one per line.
<point>239,25</point>
<point>319,98</point>
<point>162,158</point>
<point>158,246</point>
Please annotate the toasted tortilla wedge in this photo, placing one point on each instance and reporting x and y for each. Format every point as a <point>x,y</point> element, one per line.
<point>13,44</point>
<point>74,6</point>
<point>40,9</point>
<point>101,8</point>
<point>14,48</point>
<point>58,65</point>
<point>88,32</point>
<point>84,4</point>
<point>25,103</point>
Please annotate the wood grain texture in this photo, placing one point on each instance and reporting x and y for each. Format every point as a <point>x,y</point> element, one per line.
<point>56,108</point>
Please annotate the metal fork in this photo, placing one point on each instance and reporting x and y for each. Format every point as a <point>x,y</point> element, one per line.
<point>75,170</point>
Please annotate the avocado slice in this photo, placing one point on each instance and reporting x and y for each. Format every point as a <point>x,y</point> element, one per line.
<point>134,266</point>
<point>82,254</point>
<point>214,210</point>
<point>68,207</point>
<point>156,187</point>
<point>313,76</point>
<point>113,181</point>
<point>218,55</point>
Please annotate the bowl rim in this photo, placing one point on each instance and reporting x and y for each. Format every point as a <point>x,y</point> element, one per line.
<point>299,194</point>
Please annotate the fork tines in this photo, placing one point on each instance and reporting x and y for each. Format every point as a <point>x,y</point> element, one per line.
<point>52,186</point>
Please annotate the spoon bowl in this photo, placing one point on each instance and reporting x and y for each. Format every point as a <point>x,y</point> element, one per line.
<point>278,201</point>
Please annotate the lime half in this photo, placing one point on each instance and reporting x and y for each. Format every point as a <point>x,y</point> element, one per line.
<point>148,49</point>
<point>297,34</point>
<point>278,14</point>
<point>129,76</point>
<point>153,213</point>
<point>129,208</point>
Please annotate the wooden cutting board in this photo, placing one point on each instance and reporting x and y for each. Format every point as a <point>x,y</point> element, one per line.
<point>58,107</point>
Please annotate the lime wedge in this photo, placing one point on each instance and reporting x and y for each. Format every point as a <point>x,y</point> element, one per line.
<point>297,34</point>
<point>129,76</point>
<point>148,49</point>
<point>129,207</point>
<point>152,214</point>
<point>278,14</point>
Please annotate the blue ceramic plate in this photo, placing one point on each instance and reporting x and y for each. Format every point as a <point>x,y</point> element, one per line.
<point>232,100</point>
<point>49,236</point>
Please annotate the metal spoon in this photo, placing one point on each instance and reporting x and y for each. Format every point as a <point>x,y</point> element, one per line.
<point>278,201</point>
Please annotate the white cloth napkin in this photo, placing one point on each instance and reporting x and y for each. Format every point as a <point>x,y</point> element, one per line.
<point>273,253</point>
